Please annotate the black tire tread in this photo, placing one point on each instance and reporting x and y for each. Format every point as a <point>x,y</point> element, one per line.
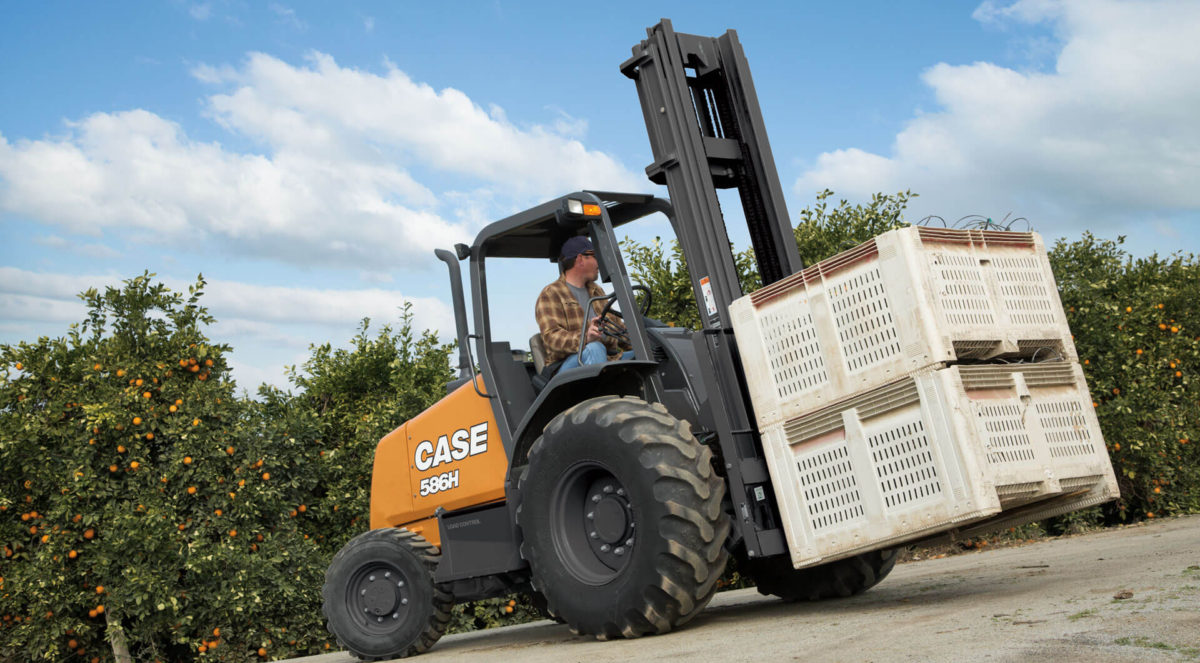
<point>428,555</point>
<point>838,579</point>
<point>692,493</point>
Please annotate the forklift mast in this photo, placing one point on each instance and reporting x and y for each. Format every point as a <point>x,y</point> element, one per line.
<point>707,133</point>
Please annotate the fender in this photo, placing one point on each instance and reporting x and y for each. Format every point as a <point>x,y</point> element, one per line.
<point>622,378</point>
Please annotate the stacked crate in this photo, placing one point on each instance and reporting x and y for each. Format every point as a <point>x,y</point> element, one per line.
<point>922,381</point>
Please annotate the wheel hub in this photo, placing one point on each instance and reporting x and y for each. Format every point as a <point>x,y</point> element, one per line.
<point>380,595</point>
<point>609,516</point>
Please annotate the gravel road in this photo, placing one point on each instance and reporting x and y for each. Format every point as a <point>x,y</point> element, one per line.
<point>1054,600</point>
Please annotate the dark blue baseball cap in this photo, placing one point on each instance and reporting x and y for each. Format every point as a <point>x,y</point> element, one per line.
<point>574,246</point>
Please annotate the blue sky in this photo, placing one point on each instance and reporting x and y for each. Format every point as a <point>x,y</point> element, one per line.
<point>308,156</point>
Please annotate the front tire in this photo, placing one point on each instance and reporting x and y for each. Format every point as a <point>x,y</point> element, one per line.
<point>621,517</point>
<point>380,601</point>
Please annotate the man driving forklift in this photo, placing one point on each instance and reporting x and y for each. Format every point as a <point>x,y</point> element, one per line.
<point>560,313</point>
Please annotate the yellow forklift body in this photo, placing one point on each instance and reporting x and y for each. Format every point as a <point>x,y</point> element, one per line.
<point>450,456</point>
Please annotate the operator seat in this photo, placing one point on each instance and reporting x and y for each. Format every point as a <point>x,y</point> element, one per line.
<point>538,350</point>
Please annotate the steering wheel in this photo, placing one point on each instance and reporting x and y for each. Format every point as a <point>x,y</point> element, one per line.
<point>609,327</point>
<point>612,328</point>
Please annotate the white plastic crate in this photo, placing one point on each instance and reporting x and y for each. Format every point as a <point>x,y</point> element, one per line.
<point>907,300</point>
<point>944,449</point>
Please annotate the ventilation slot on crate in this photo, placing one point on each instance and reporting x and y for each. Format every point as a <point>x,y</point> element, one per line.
<point>1080,483</point>
<point>1007,439</point>
<point>1041,349</point>
<point>1024,291</point>
<point>1066,430</point>
<point>830,488</point>
<point>792,349</point>
<point>960,289</point>
<point>1015,491</point>
<point>976,349</point>
<point>864,321</point>
<point>904,464</point>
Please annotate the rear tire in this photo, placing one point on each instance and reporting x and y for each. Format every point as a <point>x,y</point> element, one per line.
<point>380,601</point>
<point>846,577</point>
<point>622,521</point>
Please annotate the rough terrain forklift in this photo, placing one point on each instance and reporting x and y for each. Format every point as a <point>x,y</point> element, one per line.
<point>614,494</point>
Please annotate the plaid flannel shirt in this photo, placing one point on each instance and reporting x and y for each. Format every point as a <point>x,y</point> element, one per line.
<point>560,320</point>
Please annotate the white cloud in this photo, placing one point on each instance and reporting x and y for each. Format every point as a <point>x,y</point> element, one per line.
<point>1107,136</point>
<point>200,12</point>
<point>268,326</point>
<point>335,185</point>
<point>287,16</point>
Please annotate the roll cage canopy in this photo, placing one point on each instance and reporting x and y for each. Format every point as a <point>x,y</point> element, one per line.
<point>540,232</point>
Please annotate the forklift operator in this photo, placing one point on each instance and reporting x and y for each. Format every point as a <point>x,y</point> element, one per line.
<point>560,312</point>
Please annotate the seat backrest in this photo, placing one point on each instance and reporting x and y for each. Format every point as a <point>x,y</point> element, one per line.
<point>538,350</point>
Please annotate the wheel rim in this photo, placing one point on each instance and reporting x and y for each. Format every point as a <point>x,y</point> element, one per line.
<point>378,598</point>
<point>592,523</point>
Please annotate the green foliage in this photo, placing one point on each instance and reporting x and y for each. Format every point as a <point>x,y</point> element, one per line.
<point>823,233</point>
<point>1137,330</point>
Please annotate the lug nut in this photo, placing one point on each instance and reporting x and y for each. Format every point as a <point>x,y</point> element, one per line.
<point>372,578</point>
<point>591,515</point>
<point>403,601</point>
<point>619,551</point>
<point>379,619</point>
<point>593,535</point>
<point>387,574</point>
<point>621,492</point>
<point>608,488</point>
<point>395,615</point>
<point>596,498</point>
<point>604,548</point>
<point>629,541</point>
<point>363,593</point>
<point>400,584</point>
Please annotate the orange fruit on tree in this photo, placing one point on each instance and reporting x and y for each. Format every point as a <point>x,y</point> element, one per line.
<point>195,422</point>
<point>138,382</point>
<point>266,476</point>
<point>149,436</point>
<point>112,468</point>
<point>134,465</point>
<point>217,632</point>
<point>229,450</point>
<point>303,508</point>
<point>191,490</point>
<point>72,554</point>
<point>99,589</point>
<point>208,362</point>
<point>172,408</point>
<point>120,448</point>
<point>232,532</point>
<point>137,421</point>
<point>262,651</point>
<point>120,372</point>
<point>187,460</point>
<point>89,533</point>
<point>145,394</point>
<point>96,367</point>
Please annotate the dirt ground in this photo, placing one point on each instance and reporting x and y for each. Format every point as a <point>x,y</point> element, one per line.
<point>1126,594</point>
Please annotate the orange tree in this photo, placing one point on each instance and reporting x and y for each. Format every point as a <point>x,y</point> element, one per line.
<point>137,516</point>
<point>1137,330</point>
